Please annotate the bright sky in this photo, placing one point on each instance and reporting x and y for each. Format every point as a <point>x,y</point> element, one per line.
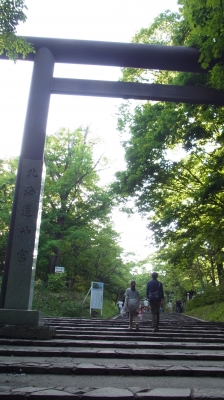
<point>103,20</point>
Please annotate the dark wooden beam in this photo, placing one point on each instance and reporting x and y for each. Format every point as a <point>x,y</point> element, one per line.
<point>133,55</point>
<point>142,91</point>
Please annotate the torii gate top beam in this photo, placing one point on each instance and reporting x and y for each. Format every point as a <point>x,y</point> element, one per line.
<point>132,55</point>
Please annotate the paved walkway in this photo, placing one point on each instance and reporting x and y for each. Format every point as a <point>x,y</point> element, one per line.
<point>103,359</point>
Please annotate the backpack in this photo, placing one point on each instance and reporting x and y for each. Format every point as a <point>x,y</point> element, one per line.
<point>155,295</point>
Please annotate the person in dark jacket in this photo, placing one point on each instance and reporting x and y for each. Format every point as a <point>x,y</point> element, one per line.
<point>178,306</point>
<point>154,288</point>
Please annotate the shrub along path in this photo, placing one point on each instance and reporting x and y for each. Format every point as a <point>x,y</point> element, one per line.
<point>103,359</point>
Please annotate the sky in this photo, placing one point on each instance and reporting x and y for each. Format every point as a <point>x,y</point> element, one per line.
<point>103,20</point>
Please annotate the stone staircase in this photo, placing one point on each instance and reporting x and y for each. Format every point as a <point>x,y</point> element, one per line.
<point>103,359</point>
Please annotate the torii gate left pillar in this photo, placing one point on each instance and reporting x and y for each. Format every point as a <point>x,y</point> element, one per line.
<point>21,253</point>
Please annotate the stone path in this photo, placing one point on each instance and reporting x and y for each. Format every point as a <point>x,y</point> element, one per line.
<point>103,359</point>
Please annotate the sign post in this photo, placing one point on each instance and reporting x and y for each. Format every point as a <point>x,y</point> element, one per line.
<point>59,270</point>
<point>96,300</point>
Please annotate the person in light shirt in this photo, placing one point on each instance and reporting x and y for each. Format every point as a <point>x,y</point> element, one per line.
<point>132,302</point>
<point>146,305</point>
<point>120,306</point>
<point>170,307</point>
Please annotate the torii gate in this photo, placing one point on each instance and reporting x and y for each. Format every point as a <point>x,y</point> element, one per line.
<point>20,263</point>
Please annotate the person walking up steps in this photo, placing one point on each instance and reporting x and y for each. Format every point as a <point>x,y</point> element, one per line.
<point>119,306</point>
<point>170,307</point>
<point>178,306</point>
<point>154,293</point>
<point>132,300</point>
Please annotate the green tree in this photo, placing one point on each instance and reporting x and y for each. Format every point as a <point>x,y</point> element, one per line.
<point>7,183</point>
<point>201,25</point>
<point>11,14</point>
<point>198,24</point>
<point>183,199</point>
<point>76,230</point>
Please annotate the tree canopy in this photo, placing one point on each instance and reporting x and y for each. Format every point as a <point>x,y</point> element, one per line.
<point>174,156</point>
<point>76,229</point>
<point>11,14</point>
<point>7,184</point>
<point>201,26</point>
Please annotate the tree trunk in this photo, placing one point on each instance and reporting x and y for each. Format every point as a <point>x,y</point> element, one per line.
<point>200,275</point>
<point>212,271</point>
<point>220,272</point>
<point>55,261</point>
<point>52,264</point>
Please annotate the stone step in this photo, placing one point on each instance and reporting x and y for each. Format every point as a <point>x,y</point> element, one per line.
<point>140,354</point>
<point>143,328</point>
<point>141,333</point>
<point>129,342</point>
<point>152,337</point>
<point>87,368</point>
<point>109,344</point>
<point>164,318</point>
<point>112,393</point>
<point>103,359</point>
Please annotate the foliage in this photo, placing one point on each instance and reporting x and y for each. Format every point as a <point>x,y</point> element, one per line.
<point>56,282</point>
<point>11,14</point>
<point>71,309</point>
<point>159,32</point>
<point>76,231</point>
<point>174,158</point>
<point>213,312</point>
<point>57,304</point>
<point>109,309</point>
<point>198,24</point>
<point>67,303</point>
<point>211,295</point>
<point>183,199</point>
<point>202,26</point>
<point>7,183</point>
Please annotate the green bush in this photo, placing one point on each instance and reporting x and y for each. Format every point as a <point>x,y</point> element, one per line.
<point>72,309</point>
<point>109,309</point>
<point>56,282</point>
<point>210,296</point>
<point>56,300</point>
<point>212,312</point>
